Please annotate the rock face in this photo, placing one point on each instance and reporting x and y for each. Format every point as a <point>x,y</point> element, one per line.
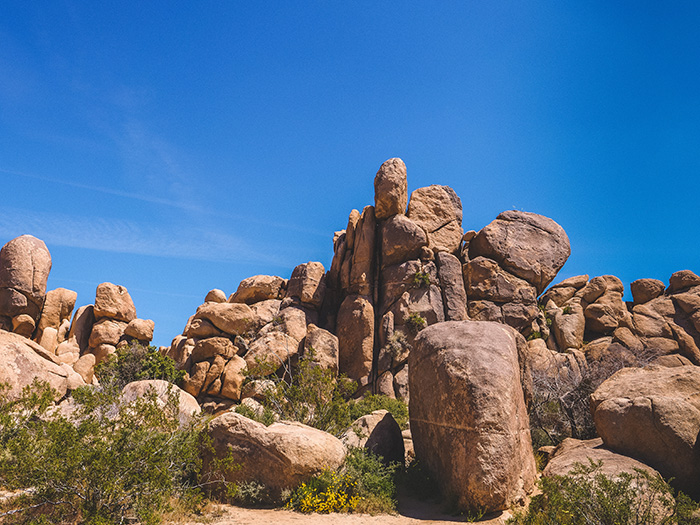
<point>653,414</point>
<point>25,263</point>
<point>280,456</point>
<point>438,210</point>
<point>23,361</point>
<point>468,418</point>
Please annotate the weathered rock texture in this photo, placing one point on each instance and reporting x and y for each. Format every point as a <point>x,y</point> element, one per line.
<point>25,263</point>
<point>280,456</point>
<point>467,409</point>
<point>653,414</point>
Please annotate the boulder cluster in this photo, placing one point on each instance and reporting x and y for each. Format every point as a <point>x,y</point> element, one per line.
<point>67,345</point>
<point>412,307</point>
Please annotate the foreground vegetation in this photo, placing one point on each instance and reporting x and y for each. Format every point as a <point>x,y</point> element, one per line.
<point>586,496</point>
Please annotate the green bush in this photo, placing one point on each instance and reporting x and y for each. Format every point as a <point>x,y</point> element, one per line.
<point>415,322</point>
<point>362,484</point>
<point>372,402</point>
<point>586,496</point>
<point>421,279</point>
<point>135,362</point>
<point>310,394</point>
<point>106,462</point>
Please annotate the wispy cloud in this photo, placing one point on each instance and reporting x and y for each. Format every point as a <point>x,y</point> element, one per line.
<point>123,236</point>
<point>182,205</point>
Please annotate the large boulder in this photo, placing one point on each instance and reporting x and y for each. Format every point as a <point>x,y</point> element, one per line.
<point>258,288</point>
<point>187,406</point>
<point>572,451</point>
<point>438,210</point>
<point>280,456</point>
<point>402,239</point>
<point>390,189</point>
<point>653,414</point>
<point>114,302</point>
<point>25,263</point>
<point>468,417</point>
<point>230,318</point>
<point>23,361</point>
<point>361,265</point>
<point>530,246</point>
<point>307,284</point>
<point>58,307</point>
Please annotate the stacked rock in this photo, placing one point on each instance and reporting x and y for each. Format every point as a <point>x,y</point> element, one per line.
<point>266,325</point>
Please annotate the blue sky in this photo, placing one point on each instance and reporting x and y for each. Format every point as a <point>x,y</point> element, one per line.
<point>178,148</point>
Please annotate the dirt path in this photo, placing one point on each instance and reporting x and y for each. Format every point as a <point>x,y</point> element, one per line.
<point>410,513</point>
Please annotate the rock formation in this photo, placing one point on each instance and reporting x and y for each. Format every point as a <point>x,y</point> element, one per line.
<point>467,409</point>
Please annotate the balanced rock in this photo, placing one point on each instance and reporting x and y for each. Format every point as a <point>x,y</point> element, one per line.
<point>644,290</point>
<point>390,189</point>
<point>231,318</point>
<point>468,418</point>
<point>530,246</point>
<point>259,288</point>
<point>114,302</point>
<point>281,456</point>
<point>25,263</point>
<point>140,329</point>
<point>653,414</point>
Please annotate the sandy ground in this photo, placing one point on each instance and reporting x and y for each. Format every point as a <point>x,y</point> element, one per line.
<point>410,513</point>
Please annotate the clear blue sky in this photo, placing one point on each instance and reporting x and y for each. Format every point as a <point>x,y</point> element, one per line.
<point>174,148</point>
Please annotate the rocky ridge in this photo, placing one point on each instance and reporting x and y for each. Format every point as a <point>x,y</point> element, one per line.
<point>408,293</point>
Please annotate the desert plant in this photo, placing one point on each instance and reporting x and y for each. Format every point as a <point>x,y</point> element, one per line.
<point>586,496</point>
<point>134,362</point>
<point>106,462</point>
<point>421,279</point>
<point>560,406</point>
<point>311,395</point>
<point>363,483</point>
<point>415,322</point>
<point>372,402</point>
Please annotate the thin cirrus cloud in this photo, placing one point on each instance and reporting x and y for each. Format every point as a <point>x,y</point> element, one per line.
<point>123,236</point>
<point>181,205</point>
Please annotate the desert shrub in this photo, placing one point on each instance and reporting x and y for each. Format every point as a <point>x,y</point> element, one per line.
<point>415,322</point>
<point>134,362</point>
<point>327,492</point>
<point>251,494</point>
<point>374,482</point>
<point>372,402</point>
<point>266,417</point>
<point>362,484</point>
<point>560,405</point>
<point>586,496</point>
<point>421,279</point>
<point>107,462</point>
<point>310,394</point>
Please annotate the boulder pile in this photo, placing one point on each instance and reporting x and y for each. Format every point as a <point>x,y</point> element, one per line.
<point>412,307</point>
